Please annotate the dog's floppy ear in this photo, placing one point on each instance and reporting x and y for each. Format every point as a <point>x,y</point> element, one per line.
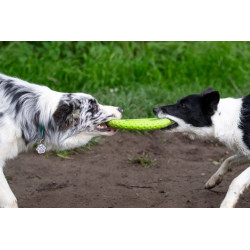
<point>207,91</point>
<point>210,101</point>
<point>66,115</point>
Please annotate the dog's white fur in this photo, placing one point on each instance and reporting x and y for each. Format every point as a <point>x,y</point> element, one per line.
<point>19,133</point>
<point>225,122</point>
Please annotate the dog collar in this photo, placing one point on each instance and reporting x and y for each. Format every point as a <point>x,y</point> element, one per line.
<point>41,148</point>
<point>41,132</point>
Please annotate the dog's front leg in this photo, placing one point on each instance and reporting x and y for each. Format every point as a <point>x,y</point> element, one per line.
<point>237,187</point>
<point>227,165</point>
<point>7,198</point>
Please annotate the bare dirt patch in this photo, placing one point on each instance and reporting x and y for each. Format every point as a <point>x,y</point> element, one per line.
<point>126,170</point>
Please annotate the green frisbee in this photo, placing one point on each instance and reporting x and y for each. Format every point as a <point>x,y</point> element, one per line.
<point>140,124</point>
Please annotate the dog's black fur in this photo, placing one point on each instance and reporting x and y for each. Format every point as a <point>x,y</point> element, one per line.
<point>245,120</point>
<point>193,109</point>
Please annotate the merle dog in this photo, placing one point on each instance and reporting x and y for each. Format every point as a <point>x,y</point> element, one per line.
<point>31,113</point>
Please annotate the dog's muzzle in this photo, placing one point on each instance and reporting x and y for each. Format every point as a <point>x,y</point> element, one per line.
<point>156,110</point>
<point>158,113</point>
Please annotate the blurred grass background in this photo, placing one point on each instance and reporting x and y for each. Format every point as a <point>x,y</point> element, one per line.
<point>134,75</point>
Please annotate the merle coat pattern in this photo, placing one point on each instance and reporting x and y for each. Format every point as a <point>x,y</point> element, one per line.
<point>67,121</point>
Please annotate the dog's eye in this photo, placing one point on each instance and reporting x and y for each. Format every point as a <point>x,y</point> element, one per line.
<point>183,105</point>
<point>95,107</point>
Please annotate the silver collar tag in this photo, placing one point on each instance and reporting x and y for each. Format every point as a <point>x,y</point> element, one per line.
<point>41,148</point>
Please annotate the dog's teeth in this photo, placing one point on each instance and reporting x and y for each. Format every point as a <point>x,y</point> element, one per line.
<point>101,127</point>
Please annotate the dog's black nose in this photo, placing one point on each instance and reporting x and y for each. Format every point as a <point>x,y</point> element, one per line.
<point>156,110</point>
<point>120,110</point>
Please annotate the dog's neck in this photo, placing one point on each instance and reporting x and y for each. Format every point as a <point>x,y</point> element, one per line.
<point>225,123</point>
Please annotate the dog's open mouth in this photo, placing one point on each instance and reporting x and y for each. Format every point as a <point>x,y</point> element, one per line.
<point>171,126</point>
<point>103,127</point>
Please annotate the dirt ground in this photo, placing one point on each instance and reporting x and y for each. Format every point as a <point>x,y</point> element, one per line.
<point>112,174</point>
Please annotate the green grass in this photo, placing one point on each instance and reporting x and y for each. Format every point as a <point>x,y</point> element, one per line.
<point>8,177</point>
<point>143,160</point>
<point>64,154</point>
<point>134,75</point>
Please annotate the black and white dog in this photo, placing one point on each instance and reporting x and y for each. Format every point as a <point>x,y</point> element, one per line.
<point>30,113</point>
<point>228,120</point>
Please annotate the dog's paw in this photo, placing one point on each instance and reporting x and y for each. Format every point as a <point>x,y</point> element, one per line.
<point>191,137</point>
<point>213,181</point>
<point>228,204</point>
<point>9,204</point>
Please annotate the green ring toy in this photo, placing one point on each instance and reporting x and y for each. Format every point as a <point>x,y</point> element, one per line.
<point>140,124</point>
